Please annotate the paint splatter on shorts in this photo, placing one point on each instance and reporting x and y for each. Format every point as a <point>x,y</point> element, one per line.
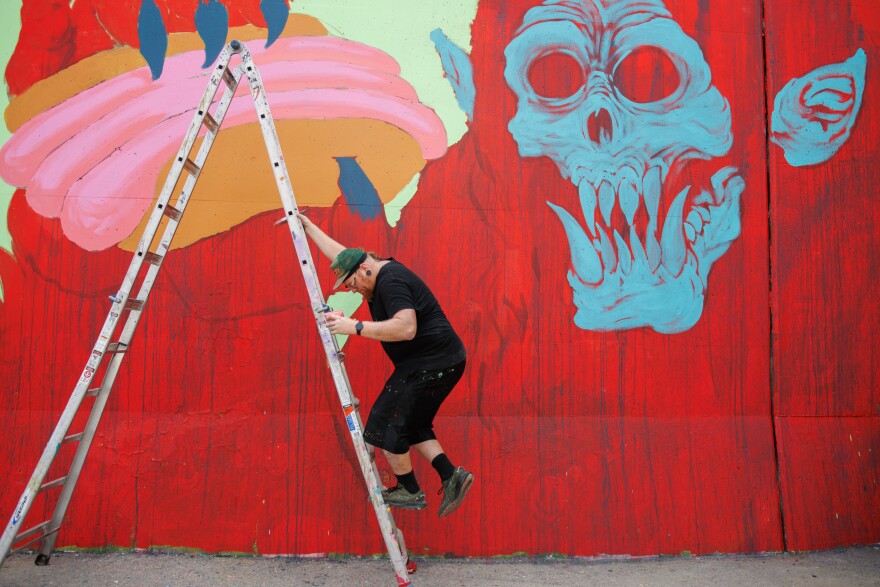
<point>404,412</point>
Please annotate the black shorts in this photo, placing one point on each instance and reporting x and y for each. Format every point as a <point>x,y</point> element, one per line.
<point>404,412</point>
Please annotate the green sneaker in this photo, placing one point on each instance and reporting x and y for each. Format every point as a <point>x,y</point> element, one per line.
<point>454,489</point>
<point>399,497</point>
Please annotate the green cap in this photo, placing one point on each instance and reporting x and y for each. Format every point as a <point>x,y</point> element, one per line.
<point>346,264</point>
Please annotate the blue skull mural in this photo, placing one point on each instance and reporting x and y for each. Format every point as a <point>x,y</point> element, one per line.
<point>619,149</point>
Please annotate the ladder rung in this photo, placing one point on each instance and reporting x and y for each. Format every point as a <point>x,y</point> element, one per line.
<point>55,483</point>
<point>35,538</point>
<point>76,437</point>
<point>173,212</point>
<point>229,79</point>
<point>25,533</point>
<point>211,123</point>
<point>93,392</point>
<point>117,347</point>
<point>190,167</point>
<point>134,305</point>
<point>153,258</point>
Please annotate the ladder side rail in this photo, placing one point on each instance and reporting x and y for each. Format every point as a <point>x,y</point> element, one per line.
<point>129,329</point>
<point>82,450</point>
<point>282,179</point>
<point>182,200</point>
<point>371,453</point>
<point>177,166</point>
<point>33,487</point>
<point>48,456</point>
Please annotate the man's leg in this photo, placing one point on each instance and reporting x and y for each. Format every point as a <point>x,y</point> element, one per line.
<point>433,453</point>
<point>429,449</point>
<point>406,494</point>
<point>436,386</point>
<point>400,464</point>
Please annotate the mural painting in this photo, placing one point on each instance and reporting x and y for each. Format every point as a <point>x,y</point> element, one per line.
<point>566,175</point>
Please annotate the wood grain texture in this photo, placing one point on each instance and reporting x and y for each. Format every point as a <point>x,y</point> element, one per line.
<point>224,434</point>
<point>824,275</point>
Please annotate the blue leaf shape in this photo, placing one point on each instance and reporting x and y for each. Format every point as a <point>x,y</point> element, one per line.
<point>813,116</point>
<point>153,37</point>
<point>459,71</point>
<point>358,190</point>
<point>275,12</point>
<point>212,24</point>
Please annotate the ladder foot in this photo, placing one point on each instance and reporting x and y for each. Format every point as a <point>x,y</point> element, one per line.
<point>411,566</point>
<point>43,560</point>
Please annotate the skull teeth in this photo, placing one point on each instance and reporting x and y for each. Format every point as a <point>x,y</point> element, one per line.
<point>588,205</point>
<point>606,201</point>
<point>653,184</point>
<point>603,249</point>
<point>629,201</point>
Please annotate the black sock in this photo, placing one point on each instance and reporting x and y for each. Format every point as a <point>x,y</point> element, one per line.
<point>408,480</point>
<point>443,466</point>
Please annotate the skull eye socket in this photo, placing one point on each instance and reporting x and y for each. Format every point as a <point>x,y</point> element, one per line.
<point>646,75</point>
<point>556,75</point>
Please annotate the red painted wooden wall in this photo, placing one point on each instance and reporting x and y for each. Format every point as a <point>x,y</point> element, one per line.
<point>755,430</point>
<point>826,399</point>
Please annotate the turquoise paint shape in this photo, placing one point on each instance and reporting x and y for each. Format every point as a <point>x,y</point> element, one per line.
<point>620,279</point>
<point>212,24</point>
<point>813,116</point>
<point>358,190</point>
<point>459,71</point>
<point>276,13</point>
<point>153,37</point>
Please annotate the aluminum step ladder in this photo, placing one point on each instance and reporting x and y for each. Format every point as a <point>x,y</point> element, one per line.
<point>131,307</point>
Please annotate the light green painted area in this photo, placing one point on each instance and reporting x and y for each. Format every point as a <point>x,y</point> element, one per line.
<point>402,28</point>
<point>346,301</point>
<point>10,25</point>
<point>395,206</point>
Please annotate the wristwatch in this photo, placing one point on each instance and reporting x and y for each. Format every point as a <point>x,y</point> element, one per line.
<point>358,327</point>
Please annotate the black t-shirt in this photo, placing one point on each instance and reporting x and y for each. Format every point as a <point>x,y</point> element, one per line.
<point>436,345</point>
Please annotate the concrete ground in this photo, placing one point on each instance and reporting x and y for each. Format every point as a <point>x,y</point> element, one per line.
<point>849,567</point>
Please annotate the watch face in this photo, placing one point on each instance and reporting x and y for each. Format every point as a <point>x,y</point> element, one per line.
<point>358,327</point>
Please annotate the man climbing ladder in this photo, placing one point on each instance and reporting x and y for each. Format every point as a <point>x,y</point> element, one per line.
<point>428,357</point>
<point>151,255</point>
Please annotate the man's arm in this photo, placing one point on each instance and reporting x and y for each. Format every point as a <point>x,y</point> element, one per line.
<point>329,247</point>
<point>401,326</point>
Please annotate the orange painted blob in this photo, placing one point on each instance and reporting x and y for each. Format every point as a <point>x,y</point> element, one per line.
<point>237,182</point>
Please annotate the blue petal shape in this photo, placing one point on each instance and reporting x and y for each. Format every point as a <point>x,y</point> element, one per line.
<point>275,12</point>
<point>152,36</point>
<point>358,190</point>
<point>212,24</point>
<point>459,71</point>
